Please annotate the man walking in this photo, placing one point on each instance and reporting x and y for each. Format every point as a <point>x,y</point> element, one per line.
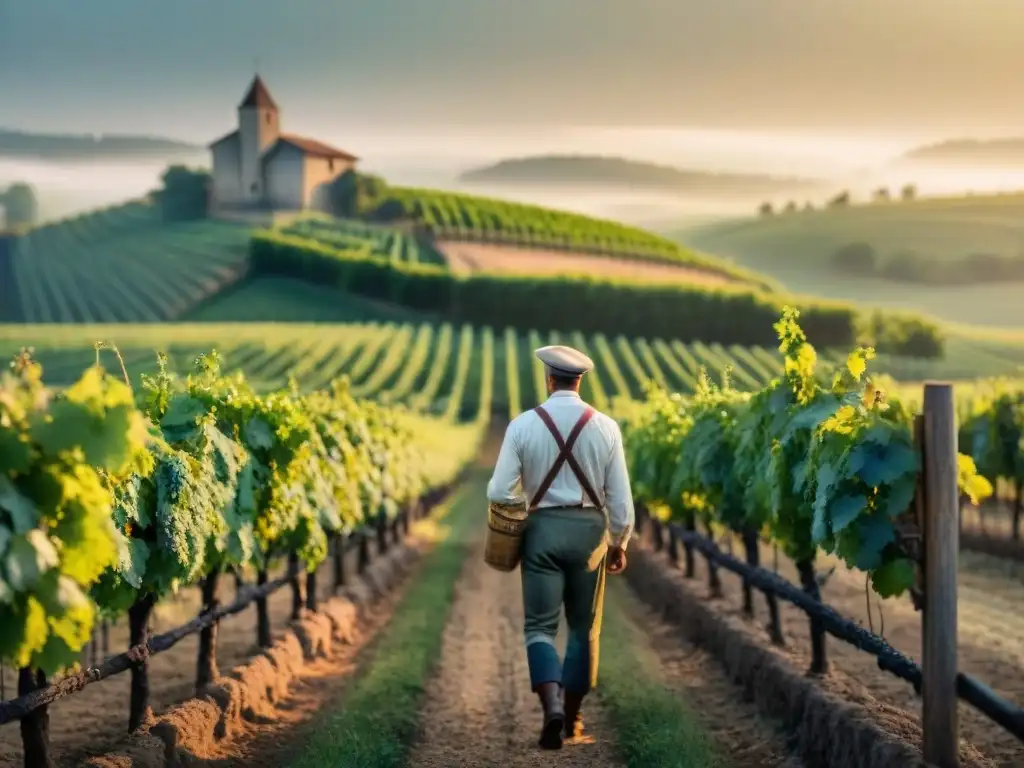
<point>567,459</point>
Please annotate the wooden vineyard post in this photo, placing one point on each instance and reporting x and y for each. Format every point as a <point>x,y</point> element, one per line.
<point>312,596</point>
<point>295,578</point>
<point>138,634</point>
<point>691,561</point>
<point>263,637</point>
<point>382,534</point>
<point>340,545</point>
<point>941,550</point>
<point>35,727</point>
<point>206,659</point>
<point>364,553</point>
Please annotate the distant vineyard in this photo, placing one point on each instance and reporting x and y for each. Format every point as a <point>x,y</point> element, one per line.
<point>455,216</point>
<point>372,240</point>
<point>433,369</point>
<point>123,265</point>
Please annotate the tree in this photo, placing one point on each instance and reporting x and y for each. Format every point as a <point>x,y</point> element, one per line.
<point>21,205</point>
<point>791,206</point>
<point>840,201</point>
<point>881,195</point>
<point>857,258</point>
<point>356,195</point>
<point>909,192</point>
<point>184,194</point>
<point>909,266</point>
<point>766,209</point>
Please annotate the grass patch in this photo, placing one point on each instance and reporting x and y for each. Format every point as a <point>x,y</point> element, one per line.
<point>654,726</point>
<point>378,722</point>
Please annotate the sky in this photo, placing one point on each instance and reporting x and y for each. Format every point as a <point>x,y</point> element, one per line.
<point>921,68</point>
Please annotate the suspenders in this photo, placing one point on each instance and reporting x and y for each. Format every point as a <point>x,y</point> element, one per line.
<point>565,456</point>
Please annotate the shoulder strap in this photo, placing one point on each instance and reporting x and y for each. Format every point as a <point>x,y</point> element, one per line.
<point>565,456</point>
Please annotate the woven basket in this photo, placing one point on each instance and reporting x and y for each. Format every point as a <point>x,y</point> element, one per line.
<point>504,544</point>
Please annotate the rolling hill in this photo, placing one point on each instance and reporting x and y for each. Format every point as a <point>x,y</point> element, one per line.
<point>603,171</point>
<point>798,250</point>
<point>1007,151</point>
<point>529,267</point>
<point>64,147</point>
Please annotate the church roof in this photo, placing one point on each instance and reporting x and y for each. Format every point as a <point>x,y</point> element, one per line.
<point>222,139</point>
<point>258,96</point>
<point>311,147</point>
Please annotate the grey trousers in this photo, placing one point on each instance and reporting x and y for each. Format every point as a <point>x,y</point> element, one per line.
<point>563,565</point>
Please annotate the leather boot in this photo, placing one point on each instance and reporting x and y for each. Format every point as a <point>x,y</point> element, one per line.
<point>573,718</point>
<point>550,695</point>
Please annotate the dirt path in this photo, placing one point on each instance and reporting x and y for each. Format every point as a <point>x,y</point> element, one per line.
<point>479,709</point>
<point>740,735</point>
<point>465,257</point>
<point>990,644</point>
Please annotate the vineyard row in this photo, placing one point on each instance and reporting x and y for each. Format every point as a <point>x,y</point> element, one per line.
<point>115,499</point>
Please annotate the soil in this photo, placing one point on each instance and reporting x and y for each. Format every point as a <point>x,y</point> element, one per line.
<point>479,709</point>
<point>742,736</point>
<point>92,721</point>
<point>321,685</point>
<point>991,642</point>
<point>486,257</point>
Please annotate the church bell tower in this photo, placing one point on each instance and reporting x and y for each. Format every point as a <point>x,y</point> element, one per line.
<point>258,129</point>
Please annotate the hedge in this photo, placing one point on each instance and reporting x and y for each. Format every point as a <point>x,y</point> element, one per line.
<point>727,315</point>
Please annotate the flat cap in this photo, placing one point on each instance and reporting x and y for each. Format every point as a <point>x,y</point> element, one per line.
<point>564,361</point>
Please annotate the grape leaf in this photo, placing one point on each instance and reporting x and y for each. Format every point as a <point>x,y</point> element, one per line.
<point>888,465</point>
<point>15,453</point>
<point>23,512</point>
<point>5,538</point>
<point>132,557</point>
<point>894,577</point>
<point>875,534</point>
<point>183,410</point>
<point>258,434</point>
<point>845,510</point>
<point>29,557</point>
<point>900,496</point>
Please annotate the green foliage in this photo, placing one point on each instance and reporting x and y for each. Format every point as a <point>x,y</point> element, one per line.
<point>60,456</point>
<point>20,206</point>
<point>102,504</point>
<point>856,258</point>
<point>183,194</point>
<point>818,460</point>
<point>996,432</point>
<point>179,521</point>
<point>446,214</point>
<point>276,433</point>
<point>590,304</point>
<point>356,195</point>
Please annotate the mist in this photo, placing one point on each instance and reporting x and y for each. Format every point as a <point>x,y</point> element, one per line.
<point>436,158</point>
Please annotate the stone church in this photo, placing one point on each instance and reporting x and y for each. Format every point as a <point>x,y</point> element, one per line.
<point>258,168</point>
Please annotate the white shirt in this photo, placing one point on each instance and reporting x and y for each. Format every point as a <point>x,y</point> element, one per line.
<point>529,451</point>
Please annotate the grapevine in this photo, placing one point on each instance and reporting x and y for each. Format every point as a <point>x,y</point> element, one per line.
<point>108,504</point>
<point>60,456</point>
<point>820,460</point>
